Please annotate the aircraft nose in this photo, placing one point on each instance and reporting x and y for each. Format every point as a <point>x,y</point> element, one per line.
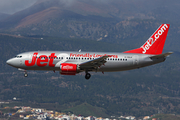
<point>10,62</point>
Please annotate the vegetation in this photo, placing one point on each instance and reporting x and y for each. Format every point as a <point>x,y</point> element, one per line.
<point>86,109</point>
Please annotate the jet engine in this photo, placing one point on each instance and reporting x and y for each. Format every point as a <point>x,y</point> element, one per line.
<point>68,69</point>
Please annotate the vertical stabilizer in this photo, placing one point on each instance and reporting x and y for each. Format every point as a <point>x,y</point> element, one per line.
<point>155,44</point>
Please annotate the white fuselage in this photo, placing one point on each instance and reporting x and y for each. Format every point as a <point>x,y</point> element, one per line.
<point>51,60</point>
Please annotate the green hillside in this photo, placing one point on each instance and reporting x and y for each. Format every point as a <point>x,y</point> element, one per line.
<point>86,109</point>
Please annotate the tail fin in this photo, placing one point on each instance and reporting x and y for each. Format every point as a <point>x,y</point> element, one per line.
<point>154,45</point>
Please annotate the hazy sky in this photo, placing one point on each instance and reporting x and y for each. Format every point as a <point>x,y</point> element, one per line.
<point>12,6</point>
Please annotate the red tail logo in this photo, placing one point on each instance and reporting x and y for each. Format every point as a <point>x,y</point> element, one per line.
<point>155,44</point>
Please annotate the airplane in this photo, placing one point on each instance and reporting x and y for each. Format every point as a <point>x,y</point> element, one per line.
<point>74,62</point>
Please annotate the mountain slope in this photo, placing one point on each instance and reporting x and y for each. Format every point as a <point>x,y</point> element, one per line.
<point>40,17</point>
<point>116,21</point>
<point>109,21</point>
<point>120,9</point>
<point>3,16</point>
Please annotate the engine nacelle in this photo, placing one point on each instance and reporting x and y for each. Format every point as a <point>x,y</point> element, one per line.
<point>68,69</point>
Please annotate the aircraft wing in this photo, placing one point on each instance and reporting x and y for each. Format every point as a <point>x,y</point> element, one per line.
<point>93,64</point>
<point>161,55</point>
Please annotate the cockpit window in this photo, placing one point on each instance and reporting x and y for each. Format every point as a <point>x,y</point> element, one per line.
<point>18,56</point>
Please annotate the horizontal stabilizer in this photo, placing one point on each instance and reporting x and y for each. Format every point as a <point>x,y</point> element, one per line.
<point>161,55</point>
